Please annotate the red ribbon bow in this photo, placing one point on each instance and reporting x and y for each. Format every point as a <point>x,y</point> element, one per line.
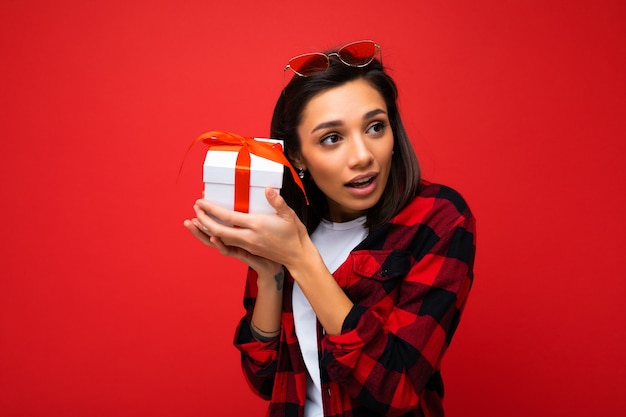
<point>247,146</point>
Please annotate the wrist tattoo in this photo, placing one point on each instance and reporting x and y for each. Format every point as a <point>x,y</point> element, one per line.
<point>280,279</point>
<point>262,335</point>
<point>261,338</point>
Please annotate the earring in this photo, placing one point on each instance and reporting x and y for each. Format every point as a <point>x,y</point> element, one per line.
<point>301,173</point>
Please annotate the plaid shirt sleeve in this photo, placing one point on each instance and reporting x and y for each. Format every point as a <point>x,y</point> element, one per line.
<point>259,359</point>
<point>409,282</point>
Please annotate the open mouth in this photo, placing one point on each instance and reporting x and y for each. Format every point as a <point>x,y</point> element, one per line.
<point>361,182</point>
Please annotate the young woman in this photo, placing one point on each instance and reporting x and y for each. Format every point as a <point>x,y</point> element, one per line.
<point>351,300</point>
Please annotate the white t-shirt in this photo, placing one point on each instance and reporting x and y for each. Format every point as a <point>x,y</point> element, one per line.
<point>334,241</point>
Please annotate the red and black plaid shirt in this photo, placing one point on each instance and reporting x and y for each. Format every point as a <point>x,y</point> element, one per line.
<point>409,281</point>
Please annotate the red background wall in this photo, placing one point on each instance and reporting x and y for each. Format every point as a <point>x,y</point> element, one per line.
<point>109,307</point>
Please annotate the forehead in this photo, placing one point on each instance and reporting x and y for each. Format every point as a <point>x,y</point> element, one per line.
<point>349,100</point>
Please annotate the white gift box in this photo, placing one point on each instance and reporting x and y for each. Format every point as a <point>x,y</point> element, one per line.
<point>219,178</point>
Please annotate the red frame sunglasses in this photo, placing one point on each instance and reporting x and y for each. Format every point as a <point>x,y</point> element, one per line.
<point>354,54</point>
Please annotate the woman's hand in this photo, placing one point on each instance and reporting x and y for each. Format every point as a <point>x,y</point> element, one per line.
<point>264,242</point>
<point>280,239</point>
<point>264,267</point>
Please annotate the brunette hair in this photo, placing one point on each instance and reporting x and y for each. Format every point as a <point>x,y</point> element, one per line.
<point>403,183</point>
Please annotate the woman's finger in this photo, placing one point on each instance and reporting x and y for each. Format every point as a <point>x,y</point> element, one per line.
<point>209,217</point>
<point>278,203</point>
<point>226,216</point>
<point>195,227</point>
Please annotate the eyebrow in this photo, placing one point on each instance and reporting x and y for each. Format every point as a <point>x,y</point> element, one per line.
<point>336,123</point>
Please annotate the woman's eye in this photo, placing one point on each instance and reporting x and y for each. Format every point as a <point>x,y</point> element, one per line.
<point>330,139</point>
<point>376,127</point>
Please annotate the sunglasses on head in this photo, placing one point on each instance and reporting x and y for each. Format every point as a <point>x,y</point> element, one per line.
<point>354,54</point>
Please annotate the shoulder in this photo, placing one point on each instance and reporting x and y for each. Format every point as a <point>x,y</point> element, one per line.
<point>435,212</point>
<point>442,194</point>
<point>436,205</point>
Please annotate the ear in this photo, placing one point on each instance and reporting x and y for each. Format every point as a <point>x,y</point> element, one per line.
<point>298,161</point>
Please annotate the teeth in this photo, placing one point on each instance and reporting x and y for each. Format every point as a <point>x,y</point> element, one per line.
<point>362,181</point>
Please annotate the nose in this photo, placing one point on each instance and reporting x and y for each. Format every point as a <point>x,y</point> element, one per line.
<point>360,153</point>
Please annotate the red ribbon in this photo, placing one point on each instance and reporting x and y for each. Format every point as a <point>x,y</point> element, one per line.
<point>247,146</point>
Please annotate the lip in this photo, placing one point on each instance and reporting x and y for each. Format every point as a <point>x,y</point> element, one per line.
<point>360,177</point>
<point>364,191</point>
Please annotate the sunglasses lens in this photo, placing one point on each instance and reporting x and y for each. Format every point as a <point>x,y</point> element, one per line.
<point>358,53</point>
<point>308,64</point>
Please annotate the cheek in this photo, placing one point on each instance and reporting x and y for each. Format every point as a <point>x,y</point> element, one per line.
<point>327,174</point>
<point>324,172</point>
<point>385,157</point>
